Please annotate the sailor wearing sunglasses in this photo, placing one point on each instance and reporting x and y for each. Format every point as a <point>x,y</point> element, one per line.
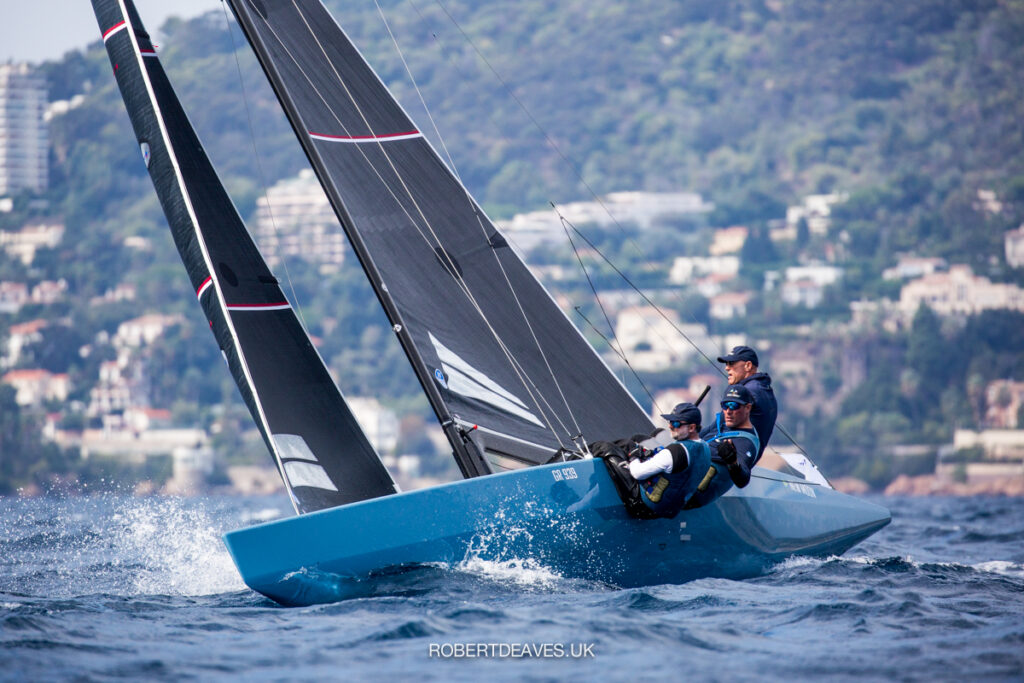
<point>734,445</point>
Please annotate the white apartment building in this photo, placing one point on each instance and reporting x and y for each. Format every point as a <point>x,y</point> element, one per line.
<point>959,291</point>
<point>36,385</point>
<point>728,305</point>
<point>145,329</point>
<point>23,244</point>
<point>686,268</point>
<point>651,339</point>
<point>24,139</point>
<point>816,209</point>
<point>526,231</point>
<point>804,285</point>
<point>295,220</point>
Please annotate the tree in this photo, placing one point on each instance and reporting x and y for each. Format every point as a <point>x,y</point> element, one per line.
<point>927,351</point>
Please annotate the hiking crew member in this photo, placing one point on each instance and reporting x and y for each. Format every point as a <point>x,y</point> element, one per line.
<point>670,477</point>
<point>658,477</point>
<point>741,369</point>
<point>734,445</point>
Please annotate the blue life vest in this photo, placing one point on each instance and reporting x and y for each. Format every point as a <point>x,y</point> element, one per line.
<point>722,482</point>
<point>667,493</point>
<point>736,433</point>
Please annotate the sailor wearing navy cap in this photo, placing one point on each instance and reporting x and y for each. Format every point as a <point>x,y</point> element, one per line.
<point>669,478</point>
<point>741,369</point>
<point>734,445</point>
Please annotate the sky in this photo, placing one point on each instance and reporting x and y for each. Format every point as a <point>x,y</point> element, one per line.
<point>38,30</point>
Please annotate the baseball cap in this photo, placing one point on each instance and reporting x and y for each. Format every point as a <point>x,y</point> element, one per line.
<point>737,393</point>
<point>739,353</point>
<point>687,413</point>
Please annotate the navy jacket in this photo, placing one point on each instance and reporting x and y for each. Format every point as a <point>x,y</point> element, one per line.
<point>747,449</point>
<point>766,408</point>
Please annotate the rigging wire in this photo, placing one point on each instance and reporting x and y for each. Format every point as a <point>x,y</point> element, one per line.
<point>551,143</point>
<point>620,350</point>
<point>646,298</point>
<point>483,230</point>
<point>557,149</point>
<point>451,266</point>
<point>778,425</point>
<point>621,355</point>
<point>259,168</point>
<point>600,202</point>
<point>416,204</point>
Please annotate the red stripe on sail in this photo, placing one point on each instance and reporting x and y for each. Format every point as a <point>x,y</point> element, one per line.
<point>202,288</point>
<point>112,30</point>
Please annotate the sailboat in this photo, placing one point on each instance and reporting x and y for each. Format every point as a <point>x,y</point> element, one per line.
<point>515,387</point>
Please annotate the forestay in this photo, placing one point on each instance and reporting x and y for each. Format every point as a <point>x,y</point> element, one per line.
<point>324,457</point>
<point>488,344</point>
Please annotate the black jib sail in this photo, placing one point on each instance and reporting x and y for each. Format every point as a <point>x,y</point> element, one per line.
<point>502,365</point>
<point>323,455</point>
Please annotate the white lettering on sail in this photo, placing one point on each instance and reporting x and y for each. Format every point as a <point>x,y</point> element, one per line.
<point>466,380</point>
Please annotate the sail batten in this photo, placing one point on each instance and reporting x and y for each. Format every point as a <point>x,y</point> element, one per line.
<point>439,266</point>
<point>279,373</point>
<point>408,135</point>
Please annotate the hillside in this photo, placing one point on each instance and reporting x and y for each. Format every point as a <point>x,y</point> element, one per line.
<point>907,109</point>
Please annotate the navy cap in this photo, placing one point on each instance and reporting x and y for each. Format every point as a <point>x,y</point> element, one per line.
<point>739,353</point>
<point>687,413</point>
<point>738,393</point>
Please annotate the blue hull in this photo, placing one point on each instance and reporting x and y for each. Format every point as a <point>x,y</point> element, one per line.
<point>566,516</point>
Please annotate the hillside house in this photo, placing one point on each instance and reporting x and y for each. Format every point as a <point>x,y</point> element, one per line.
<point>13,295</point>
<point>145,329</point>
<point>959,292</point>
<point>728,305</point>
<point>686,268</point>
<point>36,385</point>
<point>23,244</point>
<point>728,240</point>
<point>651,339</point>
<point>19,337</point>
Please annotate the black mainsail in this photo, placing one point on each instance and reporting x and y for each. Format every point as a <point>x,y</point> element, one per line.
<point>323,455</point>
<point>508,375</point>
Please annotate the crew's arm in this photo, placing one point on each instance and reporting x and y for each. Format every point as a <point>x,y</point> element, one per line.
<point>739,459</point>
<point>658,463</point>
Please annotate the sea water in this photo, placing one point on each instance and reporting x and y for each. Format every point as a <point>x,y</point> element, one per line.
<point>115,587</point>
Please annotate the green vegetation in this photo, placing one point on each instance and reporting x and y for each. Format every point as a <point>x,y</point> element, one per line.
<point>909,108</point>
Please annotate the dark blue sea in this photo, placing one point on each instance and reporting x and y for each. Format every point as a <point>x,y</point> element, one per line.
<point>115,587</point>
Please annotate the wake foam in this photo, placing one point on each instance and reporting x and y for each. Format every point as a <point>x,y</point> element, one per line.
<point>523,573</point>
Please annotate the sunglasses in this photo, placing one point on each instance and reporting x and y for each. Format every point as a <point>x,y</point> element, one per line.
<point>732,405</point>
<point>676,424</point>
